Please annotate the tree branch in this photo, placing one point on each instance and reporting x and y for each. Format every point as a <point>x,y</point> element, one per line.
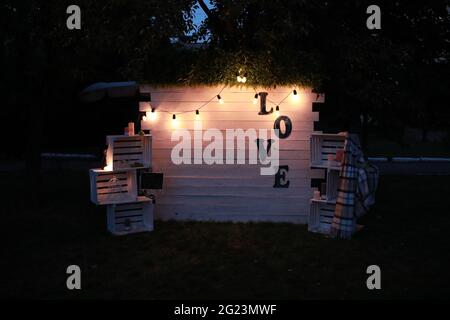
<point>205,8</point>
<point>221,29</point>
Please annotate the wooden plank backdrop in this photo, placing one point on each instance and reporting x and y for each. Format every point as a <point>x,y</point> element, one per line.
<point>232,192</point>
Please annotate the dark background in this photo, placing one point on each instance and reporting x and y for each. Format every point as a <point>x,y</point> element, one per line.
<point>396,78</point>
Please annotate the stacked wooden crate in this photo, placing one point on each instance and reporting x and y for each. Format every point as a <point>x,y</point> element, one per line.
<point>324,147</point>
<point>116,185</point>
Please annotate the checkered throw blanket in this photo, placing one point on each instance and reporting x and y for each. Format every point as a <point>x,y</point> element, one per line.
<point>358,182</point>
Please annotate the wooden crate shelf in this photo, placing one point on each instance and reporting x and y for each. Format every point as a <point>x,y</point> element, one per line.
<point>110,187</point>
<point>323,145</point>
<point>129,152</point>
<point>321,216</point>
<point>322,210</point>
<point>132,217</point>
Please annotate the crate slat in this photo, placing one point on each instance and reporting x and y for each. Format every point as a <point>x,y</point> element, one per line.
<point>129,152</point>
<point>321,216</point>
<point>322,145</point>
<point>130,218</point>
<point>109,187</point>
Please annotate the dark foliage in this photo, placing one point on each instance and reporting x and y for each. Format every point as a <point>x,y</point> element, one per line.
<point>394,77</point>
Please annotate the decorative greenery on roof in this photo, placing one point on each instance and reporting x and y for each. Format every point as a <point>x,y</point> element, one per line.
<point>216,66</point>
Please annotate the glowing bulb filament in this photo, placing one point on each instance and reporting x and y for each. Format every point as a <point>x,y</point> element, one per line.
<point>151,115</point>
<point>295,96</point>
<point>255,99</point>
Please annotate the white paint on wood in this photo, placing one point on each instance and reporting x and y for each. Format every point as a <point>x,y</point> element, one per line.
<point>321,216</point>
<point>231,192</point>
<point>110,187</point>
<point>323,145</point>
<point>132,217</point>
<point>129,152</point>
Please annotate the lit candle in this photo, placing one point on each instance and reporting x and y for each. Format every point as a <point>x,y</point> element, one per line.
<point>131,128</point>
<point>316,195</point>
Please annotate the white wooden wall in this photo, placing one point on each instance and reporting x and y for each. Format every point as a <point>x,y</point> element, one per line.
<point>232,192</point>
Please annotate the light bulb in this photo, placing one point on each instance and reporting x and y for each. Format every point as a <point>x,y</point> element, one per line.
<point>239,79</point>
<point>197,115</point>
<point>295,96</point>
<point>220,99</point>
<point>277,111</point>
<point>255,99</point>
<point>151,115</point>
<point>244,79</point>
<point>174,121</point>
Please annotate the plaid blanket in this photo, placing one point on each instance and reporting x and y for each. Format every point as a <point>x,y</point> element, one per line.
<point>358,181</point>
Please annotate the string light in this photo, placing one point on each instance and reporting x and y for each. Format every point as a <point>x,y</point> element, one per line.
<point>174,121</point>
<point>255,99</point>
<point>151,115</point>
<point>295,96</point>
<point>242,79</point>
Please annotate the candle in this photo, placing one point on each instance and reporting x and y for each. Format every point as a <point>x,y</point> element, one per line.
<point>316,195</point>
<point>131,128</point>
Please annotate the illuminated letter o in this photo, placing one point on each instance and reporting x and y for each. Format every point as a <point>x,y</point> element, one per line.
<point>288,125</point>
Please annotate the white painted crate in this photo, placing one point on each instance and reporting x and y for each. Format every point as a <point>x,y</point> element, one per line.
<point>109,187</point>
<point>323,144</point>
<point>129,152</point>
<point>321,216</point>
<point>133,217</point>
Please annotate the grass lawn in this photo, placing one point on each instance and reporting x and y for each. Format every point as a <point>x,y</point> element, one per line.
<point>405,234</point>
